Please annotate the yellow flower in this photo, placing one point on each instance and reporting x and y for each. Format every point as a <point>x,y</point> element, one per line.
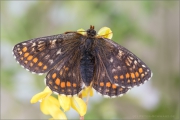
<point>51,106</point>
<point>48,104</point>
<point>75,102</point>
<point>88,91</point>
<point>65,102</point>
<point>42,95</point>
<point>104,32</point>
<point>79,105</point>
<point>81,31</point>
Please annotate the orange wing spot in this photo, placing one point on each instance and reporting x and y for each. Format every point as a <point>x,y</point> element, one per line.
<point>54,75</point>
<point>31,64</point>
<point>128,81</point>
<point>108,84</point>
<point>140,70</point>
<point>120,89</point>
<point>63,84</point>
<point>121,77</point>
<point>142,75</point>
<point>57,81</point>
<point>21,58</point>
<point>66,68</point>
<point>20,52</point>
<point>68,84</point>
<point>30,57</point>
<point>26,54</point>
<point>132,75</point>
<point>101,84</point>
<point>139,79</point>
<point>24,49</point>
<point>115,77</point>
<point>40,64</point>
<point>114,86</point>
<point>45,67</point>
<point>35,60</point>
<point>137,74</point>
<point>134,80</point>
<point>74,84</point>
<point>127,75</point>
<point>26,62</point>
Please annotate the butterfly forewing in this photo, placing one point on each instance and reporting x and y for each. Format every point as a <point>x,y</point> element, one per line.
<point>39,55</point>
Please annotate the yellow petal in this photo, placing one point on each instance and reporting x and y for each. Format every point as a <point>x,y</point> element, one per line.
<point>81,31</point>
<point>47,89</point>
<point>88,91</point>
<point>65,102</point>
<point>79,105</point>
<point>56,113</point>
<point>105,32</point>
<point>42,95</point>
<point>49,104</point>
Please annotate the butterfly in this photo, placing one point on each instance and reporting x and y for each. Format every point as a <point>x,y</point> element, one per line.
<point>73,61</point>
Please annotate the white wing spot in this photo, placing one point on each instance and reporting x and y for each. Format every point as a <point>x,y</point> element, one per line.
<point>131,57</point>
<point>47,56</point>
<point>113,70</point>
<point>111,59</point>
<point>120,53</point>
<point>143,66</point>
<point>40,73</point>
<point>24,43</point>
<point>58,52</point>
<point>34,44</point>
<point>118,67</point>
<point>33,72</point>
<point>106,96</point>
<point>135,62</point>
<point>50,61</point>
<point>40,42</point>
<point>120,95</point>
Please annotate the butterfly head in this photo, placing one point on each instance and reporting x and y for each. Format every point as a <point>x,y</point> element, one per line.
<point>91,33</point>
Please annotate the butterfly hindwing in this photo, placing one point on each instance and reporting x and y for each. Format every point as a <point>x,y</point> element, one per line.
<point>123,68</point>
<point>102,83</point>
<point>65,77</point>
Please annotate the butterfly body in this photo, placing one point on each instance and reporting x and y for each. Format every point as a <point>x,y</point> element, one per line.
<point>73,60</point>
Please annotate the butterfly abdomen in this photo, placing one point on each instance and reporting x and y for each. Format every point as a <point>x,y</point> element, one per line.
<point>87,67</point>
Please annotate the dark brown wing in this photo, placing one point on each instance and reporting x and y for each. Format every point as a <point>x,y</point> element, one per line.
<point>39,55</point>
<point>65,77</point>
<point>102,83</point>
<point>121,66</point>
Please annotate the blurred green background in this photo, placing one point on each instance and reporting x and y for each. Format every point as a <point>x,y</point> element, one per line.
<point>150,29</point>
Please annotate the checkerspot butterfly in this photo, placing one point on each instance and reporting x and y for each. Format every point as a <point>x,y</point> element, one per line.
<point>73,61</point>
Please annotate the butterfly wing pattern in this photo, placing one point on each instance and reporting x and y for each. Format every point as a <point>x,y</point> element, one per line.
<point>73,61</point>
